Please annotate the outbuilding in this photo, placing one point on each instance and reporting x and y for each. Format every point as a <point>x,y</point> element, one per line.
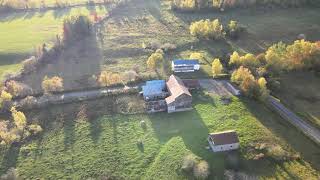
<point>224,141</point>
<point>154,90</point>
<point>180,98</point>
<point>185,65</point>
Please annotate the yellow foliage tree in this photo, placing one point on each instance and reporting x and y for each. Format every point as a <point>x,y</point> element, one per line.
<point>54,84</point>
<point>216,67</point>
<point>155,59</point>
<point>197,55</point>
<point>207,29</point>
<point>234,58</point>
<point>108,78</point>
<point>19,118</point>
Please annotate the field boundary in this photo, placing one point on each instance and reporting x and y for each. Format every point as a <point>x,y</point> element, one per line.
<point>295,120</point>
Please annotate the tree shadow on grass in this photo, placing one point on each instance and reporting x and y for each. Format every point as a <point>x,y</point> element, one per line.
<point>308,150</point>
<point>10,157</point>
<point>188,125</point>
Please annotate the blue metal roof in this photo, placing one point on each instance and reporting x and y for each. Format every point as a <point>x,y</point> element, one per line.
<point>153,87</point>
<point>185,61</point>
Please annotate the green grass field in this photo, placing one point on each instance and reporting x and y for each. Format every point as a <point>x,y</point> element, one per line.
<point>21,33</point>
<point>106,146</point>
<point>300,92</point>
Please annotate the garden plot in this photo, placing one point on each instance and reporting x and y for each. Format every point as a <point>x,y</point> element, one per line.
<point>217,87</point>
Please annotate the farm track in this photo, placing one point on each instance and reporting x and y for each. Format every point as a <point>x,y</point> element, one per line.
<point>299,123</point>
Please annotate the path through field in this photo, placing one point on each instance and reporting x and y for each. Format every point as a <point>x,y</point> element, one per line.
<point>299,123</point>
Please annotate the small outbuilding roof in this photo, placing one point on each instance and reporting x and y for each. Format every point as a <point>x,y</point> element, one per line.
<point>223,138</point>
<point>153,87</point>
<point>185,61</point>
<point>176,87</point>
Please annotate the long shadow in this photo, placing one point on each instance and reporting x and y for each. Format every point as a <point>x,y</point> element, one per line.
<point>10,158</point>
<point>188,125</point>
<point>75,65</point>
<point>69,133</point>
<point>309,151</point>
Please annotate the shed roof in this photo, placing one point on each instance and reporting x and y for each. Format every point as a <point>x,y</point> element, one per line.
<point>223,138</point>
<point>185,61</point>
<point>153,87</point>
<point>176,87</point>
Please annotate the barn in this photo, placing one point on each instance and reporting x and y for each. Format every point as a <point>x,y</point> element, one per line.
<point>224,141</point>
<point>180,98</point>
<point>189,65</point>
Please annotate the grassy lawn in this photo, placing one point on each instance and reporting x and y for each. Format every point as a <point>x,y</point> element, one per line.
<point>107,145</point>
<point>300,92</point>
<point>21,33</point>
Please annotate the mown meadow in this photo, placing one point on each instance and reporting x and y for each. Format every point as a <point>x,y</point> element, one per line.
<point>107,145</point>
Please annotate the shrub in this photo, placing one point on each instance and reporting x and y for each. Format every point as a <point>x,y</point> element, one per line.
<point>54,84</point>
<point>29,65</point>
<point>17,89</point>
<point>143,124</point>
<point>11,174</point>
<point>168,47</point>
<point>201,170</point>
<point>108,78</point>
<point>34,129</point>
<point>233,29</point>
<point>188,163</point>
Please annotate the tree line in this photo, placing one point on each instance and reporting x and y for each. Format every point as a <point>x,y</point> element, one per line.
<point>251,72</point>
<point>222,4</point>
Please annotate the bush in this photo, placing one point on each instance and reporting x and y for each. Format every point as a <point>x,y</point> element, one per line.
<point>188,163</point>
<point>34,129</point>
<point>29,65</point>
<point>54,84</point>
<point>108,78</point>
<point>168,47</point>
<point>11,174</point>
<point>201,170</point>
<point>17,89</point>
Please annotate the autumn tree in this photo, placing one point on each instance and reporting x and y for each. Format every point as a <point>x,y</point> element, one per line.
<point>207,29</point>
<point>216,67</point>
<point>155,59</point>
<point>54,84</point>
<point>197,55</point>
<point>276,57</point>
<point>5,99</point>
<point>233,29</point>
<point>264,92</point>
<point>249,60</point>
<point>107,78</point>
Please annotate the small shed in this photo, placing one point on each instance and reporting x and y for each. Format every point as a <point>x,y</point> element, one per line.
<point>185,65</point>
<point>154,90</point>
<point>224,141</point>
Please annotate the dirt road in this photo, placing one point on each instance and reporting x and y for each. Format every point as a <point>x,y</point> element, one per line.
<point>299,123</point>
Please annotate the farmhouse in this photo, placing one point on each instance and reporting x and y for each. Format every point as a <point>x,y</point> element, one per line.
<point>185,65</point>
<point>223,141</point>
<point>180,98</point>
<point>154,90</point>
